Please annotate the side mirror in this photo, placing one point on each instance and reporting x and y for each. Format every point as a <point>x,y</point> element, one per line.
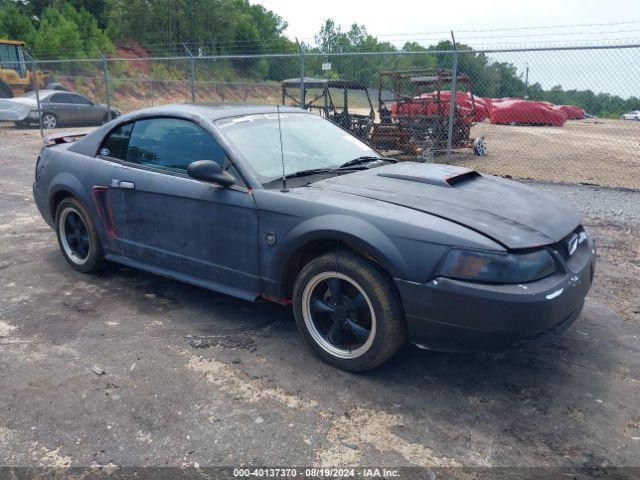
<point>210,171</point>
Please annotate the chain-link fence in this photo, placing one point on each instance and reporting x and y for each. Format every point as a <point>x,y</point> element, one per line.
<point>551,114</point>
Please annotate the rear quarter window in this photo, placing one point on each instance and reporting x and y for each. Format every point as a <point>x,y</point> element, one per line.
<point>117,142</point>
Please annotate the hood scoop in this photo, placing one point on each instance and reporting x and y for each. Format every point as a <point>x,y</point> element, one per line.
<point>441,176</point>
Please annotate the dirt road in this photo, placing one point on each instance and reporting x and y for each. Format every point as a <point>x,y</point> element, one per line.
<point>258,396</point>
<point>594,151</point>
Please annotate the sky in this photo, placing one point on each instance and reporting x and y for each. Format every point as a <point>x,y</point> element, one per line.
<point>404,17</point>
<point>495,24</point>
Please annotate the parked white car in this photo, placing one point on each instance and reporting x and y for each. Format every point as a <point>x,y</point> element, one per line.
<point>635,115</point>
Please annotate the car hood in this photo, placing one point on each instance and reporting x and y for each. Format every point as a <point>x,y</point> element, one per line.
<point>514,215</point>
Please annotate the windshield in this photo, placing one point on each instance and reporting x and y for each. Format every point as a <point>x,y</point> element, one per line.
<point>308,142</point>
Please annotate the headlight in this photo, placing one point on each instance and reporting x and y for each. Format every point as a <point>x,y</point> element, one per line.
<point>33,114</point>
<point>497,267</point>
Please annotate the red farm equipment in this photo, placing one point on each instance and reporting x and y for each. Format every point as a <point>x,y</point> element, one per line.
<point>414,106</point>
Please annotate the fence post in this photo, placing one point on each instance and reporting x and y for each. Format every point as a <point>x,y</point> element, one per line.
<point>303,100</point>
<point>192,73</point>
<point>452,101</point>
<point>107,91</point>
<point>34,71</point>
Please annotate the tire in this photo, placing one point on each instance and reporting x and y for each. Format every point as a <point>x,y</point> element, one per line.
<point>83,260</point>
<point>49,120</point>
<point>480,147</point>
<point>368,299</point>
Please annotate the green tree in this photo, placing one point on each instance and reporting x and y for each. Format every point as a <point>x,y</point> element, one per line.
<point>14,24</point>
<point>57,36</point>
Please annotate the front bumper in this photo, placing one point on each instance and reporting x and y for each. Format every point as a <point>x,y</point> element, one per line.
<point>453,315</point>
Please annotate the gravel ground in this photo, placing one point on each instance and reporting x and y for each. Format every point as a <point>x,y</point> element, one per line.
<point>600,203</point>
<point>596,151</point>
<point>257,395</point>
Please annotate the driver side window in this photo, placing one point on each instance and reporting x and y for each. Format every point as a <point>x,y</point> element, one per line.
<point>171,144</point>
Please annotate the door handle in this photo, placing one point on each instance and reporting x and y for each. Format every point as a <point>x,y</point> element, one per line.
<point>115,183</point>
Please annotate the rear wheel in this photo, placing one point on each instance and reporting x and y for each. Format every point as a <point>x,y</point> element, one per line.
<point>77,237</point>
<point>351,315</point>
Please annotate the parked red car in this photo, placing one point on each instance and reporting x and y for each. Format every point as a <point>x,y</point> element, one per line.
<point>573,112</point>
<point>464,101</point>
<point>526,112</point>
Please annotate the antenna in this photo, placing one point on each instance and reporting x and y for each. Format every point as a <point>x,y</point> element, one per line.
<point>284,176</point>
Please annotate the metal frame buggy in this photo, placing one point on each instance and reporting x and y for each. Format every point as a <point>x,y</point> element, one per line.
<point>323,102</point>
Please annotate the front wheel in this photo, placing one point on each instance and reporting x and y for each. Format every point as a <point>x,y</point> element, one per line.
<point>348,311</point>
<point>49,120</point>
<point>77,237</point>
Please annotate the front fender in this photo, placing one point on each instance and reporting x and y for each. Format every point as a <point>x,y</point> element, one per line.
<point>356,232</point>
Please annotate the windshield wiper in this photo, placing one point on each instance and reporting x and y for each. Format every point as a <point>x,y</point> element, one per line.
<point>345,166</point>
<point>311,171</point>
<point>363,160</point>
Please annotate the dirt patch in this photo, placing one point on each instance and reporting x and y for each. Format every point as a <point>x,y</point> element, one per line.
<point>363,425</point>
<point>228,342</point>
<point>6,329</point>
<point>601,152</point>
<point>249,389</point>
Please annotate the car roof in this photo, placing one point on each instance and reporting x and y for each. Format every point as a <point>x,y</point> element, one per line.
<point>89,144</point>
<point>213,112</point>
<point>46,93</point>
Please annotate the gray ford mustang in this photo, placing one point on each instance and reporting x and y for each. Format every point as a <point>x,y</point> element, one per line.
<point>370,252</point>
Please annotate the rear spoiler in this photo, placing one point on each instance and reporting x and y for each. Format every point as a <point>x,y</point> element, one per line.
<point>67,137</point>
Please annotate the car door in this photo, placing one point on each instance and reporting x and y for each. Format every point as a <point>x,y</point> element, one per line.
<point>86,112</point>
<point>62,107</point>
<point>205,233</point>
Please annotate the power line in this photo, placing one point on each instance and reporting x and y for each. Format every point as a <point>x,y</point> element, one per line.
<point>556,34</point>
<point>538,27</point>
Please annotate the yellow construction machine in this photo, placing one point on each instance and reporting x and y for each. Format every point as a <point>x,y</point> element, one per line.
<point>15,77</point>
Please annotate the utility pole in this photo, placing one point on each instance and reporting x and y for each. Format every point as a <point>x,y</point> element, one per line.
<point>526,83</point>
